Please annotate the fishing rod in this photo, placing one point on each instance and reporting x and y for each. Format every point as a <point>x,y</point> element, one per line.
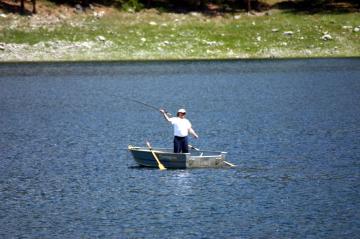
<point>144,104</point>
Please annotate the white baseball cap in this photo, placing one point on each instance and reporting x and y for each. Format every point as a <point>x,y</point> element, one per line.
<point>182,111</point>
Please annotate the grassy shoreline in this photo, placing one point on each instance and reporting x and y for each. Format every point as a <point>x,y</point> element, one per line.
<point>110,35</point>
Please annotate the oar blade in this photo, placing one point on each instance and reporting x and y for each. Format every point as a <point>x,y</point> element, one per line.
<point>161,167</point>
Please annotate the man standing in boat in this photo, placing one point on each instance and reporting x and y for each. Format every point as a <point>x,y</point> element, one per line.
<point>182,128</point>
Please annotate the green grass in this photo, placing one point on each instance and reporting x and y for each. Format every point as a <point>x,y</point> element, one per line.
<point>178,36</point>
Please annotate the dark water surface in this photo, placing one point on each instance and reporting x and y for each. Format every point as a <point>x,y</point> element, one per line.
<point>291,126</point>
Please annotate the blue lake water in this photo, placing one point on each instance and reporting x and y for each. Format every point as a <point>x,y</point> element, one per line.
<point>291,126</point>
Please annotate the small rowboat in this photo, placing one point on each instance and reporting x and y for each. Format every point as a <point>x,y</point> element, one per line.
<point>194,159</point>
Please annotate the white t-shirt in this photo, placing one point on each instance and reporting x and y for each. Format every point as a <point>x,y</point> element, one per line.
<point>181,126</point>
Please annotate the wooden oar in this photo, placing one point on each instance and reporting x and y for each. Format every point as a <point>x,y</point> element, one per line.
<point>160,165</point>
<point>230,164</point>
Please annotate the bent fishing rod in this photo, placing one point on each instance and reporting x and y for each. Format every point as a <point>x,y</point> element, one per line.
<point>144,104</point>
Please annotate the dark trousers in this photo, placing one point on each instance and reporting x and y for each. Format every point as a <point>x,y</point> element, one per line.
<point>181,144</point>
